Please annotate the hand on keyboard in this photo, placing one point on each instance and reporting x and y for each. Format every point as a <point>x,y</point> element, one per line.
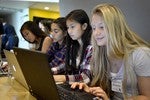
<point>77,89</point>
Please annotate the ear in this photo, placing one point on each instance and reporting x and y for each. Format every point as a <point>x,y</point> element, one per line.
<point>84,26</point>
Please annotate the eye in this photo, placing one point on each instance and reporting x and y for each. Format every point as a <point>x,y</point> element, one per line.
<point>101,27</point>
<point>72,26</point>
<point>93,28</point>
<point>55,31</point>
<point>26,33</point>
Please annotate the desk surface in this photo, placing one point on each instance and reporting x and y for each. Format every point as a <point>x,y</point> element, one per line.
<point>12,90</point>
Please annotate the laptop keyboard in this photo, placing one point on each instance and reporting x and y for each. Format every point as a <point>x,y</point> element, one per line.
<point>66,93</point>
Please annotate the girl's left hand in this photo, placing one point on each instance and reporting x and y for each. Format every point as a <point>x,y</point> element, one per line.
<point>80,85</point>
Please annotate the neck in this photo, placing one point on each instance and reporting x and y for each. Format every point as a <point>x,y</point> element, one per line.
<point>60,41</point>
<point>115,64</point>
<point>38,40</point>
<point>80,42</point>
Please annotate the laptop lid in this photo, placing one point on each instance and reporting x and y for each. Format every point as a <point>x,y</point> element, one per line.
<point>15,68</point>
<point>36,70</point>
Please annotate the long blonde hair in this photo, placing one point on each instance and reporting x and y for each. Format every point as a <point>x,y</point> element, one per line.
<point>121,41</point>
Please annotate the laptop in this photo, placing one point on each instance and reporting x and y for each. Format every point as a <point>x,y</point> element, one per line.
<point>38,75</point>
<point>15,68</point>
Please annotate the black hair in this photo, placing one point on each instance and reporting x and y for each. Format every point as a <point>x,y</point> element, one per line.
<point>73,46</point>
<point>34,28</point>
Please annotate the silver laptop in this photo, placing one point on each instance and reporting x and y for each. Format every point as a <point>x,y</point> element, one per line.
<point>15,68</point>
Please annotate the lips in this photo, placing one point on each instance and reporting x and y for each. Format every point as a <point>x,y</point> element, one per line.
<point>99,38</point>
<point>71,35</point>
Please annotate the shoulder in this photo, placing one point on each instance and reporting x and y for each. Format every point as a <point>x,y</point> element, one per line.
<point>141,52</point>
<point>48,39</point>
<point>140,59</point>
<point>89,48</point>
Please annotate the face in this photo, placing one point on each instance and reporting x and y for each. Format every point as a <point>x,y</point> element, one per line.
<point>28,35</point>
<point>57,33</point>
<point>99,30</point>
<point>75,29</point>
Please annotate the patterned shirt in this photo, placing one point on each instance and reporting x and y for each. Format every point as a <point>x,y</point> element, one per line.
<point>84,71</point>
<point>56,57</point>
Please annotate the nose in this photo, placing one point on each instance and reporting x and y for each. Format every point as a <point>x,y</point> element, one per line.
<point>97,31</point>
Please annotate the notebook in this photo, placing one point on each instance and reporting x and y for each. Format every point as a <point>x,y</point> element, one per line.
<point>38,75</point>
<point>15,68</point>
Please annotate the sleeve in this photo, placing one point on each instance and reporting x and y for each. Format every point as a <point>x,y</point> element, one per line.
<point>50,52</point>
<point>10,30</point>
<point>57,64</point>
<point>10,42</point>
<point>84,73</point>
<point>141,61</point>
<point>58,69</point>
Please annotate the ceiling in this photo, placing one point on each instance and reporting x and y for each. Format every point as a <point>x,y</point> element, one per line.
<point>9,7</point>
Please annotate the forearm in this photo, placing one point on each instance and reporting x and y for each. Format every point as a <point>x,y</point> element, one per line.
<point>59,78</point>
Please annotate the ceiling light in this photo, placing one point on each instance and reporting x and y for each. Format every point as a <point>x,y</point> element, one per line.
<point>46,8</point>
